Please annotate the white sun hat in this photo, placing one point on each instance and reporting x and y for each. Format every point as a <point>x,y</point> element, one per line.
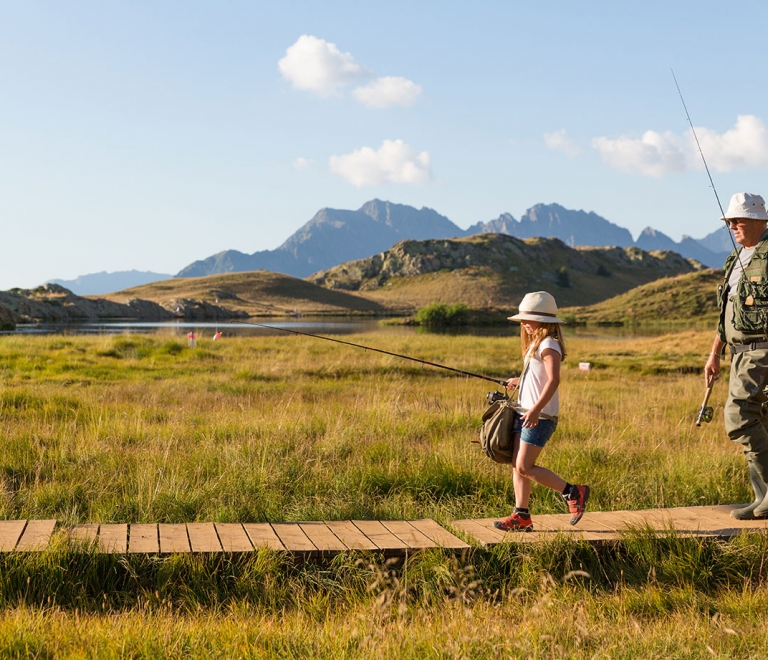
<point>537,306</point>
<point>746,205</point>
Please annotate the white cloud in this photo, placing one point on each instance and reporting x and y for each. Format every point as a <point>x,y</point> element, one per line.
<point>301,163</point>
<point>320,67</point>
<point>655,154</point>
<point>743,146</point>
<point>559,141</point>
<point>394,162</point>
<point>388,91</point>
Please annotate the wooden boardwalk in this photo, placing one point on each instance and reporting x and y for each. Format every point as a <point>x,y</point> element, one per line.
<point>704,521</point>
<point>391,537</point>
<point>307,539</point>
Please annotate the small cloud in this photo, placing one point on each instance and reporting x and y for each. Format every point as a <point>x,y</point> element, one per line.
<point>319,66</point>
<point>559,141</point>
<point>393,162</point>
<point>388,91</point>
<point>743,146</point>
<point>301,163</point>
<point>655,154</point>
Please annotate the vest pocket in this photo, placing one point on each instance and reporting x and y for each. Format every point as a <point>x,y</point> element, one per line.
<point>750,308</point>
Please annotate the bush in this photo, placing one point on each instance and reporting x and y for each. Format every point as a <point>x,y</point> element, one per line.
<point>562,279</point>
<point>441,314</point>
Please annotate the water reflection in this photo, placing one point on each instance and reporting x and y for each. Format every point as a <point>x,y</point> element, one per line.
<point>330,326</point>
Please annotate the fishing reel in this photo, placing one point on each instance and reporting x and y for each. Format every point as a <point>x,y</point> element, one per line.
<point>705,415</point>
<point>493,397</point>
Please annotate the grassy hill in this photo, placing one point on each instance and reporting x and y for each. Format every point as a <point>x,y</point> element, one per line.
<point>671,299</point>
<point>499,269</point>
<point>257,293</point>
<point>488,270</point>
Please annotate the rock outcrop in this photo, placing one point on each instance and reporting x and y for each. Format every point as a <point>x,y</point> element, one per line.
<point>52,303</point>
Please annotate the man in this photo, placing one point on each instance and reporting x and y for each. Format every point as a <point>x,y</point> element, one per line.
<point>743,326</point>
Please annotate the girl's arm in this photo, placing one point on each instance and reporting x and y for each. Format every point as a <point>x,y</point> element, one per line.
<point>551,359</point>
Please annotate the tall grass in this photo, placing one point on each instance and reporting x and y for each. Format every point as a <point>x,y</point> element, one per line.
<point>142,429</point>
<point>647,597</point>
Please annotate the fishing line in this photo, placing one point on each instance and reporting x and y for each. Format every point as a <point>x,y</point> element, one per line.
<point>378,350</point>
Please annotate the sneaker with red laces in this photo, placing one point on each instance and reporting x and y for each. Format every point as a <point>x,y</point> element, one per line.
<point>577,506</point>
<point>515,522</point>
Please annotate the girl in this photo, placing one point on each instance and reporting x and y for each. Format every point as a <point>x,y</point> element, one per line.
<point>538,407</point>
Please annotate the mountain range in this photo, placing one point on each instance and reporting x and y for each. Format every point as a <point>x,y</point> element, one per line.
<point>336,236</point>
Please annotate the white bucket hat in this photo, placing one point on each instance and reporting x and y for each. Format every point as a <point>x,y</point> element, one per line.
<point>746,205</point>
<point>537,306</point>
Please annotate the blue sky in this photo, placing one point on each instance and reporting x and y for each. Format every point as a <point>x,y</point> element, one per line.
<point>147,135</point>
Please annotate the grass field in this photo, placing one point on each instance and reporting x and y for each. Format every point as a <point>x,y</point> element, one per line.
<point>144,429</point>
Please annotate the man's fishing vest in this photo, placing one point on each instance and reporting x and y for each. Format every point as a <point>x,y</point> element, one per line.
<point>750,301</point>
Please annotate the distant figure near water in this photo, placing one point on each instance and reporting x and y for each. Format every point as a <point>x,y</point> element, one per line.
<point>543,348</point>
<point>743,327</point>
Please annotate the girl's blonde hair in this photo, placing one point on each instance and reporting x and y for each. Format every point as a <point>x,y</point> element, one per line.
<point>530,343</point>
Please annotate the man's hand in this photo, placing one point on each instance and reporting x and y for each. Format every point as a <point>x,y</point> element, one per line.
<point>712,369</point>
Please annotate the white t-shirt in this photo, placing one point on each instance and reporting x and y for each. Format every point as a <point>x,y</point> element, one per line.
<point>745,256</point>
<point>534,379</point>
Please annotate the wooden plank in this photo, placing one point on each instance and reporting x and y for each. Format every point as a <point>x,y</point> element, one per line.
<point>113,539</point>
<point>322,537</point>
<point>10,533</point>
<point>36,535</point>
<point>478,532</point>
<point>350,535</point>
<point>408,534</point>
<point>173,538</point>
<point>233,537</point>
<point>624,520</point>
<point>293,538</point>
<point>203,537</point>
<point>722,515</point>
<point>84,535</point>
<point>380,535</point>
<point>263,536</point>
<point>552,522</point>
<point>143,538</point>
<point>441,537</point>
<point>595,521</point>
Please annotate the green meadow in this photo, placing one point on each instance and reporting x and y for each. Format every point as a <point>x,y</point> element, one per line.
<point>145,429</point>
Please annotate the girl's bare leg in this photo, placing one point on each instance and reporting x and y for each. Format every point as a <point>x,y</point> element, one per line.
<point>522,484</point>
<point>526,468</point>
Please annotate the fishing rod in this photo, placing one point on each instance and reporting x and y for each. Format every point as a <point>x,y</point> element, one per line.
<point>379,350</point>
<point>705,412</point>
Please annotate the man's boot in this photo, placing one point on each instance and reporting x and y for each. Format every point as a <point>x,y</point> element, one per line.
<point>759,507</point>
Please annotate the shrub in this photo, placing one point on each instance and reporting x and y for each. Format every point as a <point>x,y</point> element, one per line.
<point>441,314</point>
<point>562,278</point>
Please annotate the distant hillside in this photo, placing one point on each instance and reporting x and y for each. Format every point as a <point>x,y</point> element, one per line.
<point>259,293</point>
<point>497,269</point>
<point>332,237</point>
<point>687,297</point>
<point>103,282</point>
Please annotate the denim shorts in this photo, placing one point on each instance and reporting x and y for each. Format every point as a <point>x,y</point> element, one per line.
<point>537,435</point>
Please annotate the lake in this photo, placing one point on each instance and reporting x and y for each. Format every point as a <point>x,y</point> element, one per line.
<point>324,325</point>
